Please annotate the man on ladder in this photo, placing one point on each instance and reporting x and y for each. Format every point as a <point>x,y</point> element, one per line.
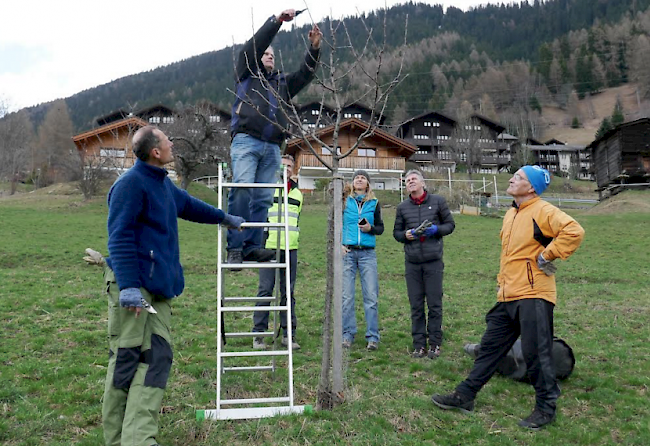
<point>267,276</point>
<point>258,129</point>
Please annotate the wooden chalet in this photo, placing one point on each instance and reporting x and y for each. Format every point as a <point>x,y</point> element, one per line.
<point>110,144</point>
<point>432,133</point>
<point>361,111</point>
<point>314,114</point>
<point>622,155</point>
<point>381,154</point>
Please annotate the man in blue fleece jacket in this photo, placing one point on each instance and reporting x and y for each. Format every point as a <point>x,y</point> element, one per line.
<point>144,270</point>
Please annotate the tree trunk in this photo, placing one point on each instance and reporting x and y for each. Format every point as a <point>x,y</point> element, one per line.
<point>325,400</point>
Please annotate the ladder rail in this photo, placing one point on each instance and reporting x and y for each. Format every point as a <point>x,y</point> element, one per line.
<point>282,226</point>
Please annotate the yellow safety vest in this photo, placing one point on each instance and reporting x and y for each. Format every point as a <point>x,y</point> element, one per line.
<point>295,206</point>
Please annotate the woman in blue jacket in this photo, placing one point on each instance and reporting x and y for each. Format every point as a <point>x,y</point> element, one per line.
<point>361,223</point>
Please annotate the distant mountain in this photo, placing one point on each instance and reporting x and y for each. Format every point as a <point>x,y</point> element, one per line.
<point>462,46</point>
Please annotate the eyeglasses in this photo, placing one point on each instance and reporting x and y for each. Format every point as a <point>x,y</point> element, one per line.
<point>520,178</point>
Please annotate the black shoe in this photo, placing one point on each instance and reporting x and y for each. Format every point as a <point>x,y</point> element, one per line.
<point>454,401</point>
<point>419,353</point>
<point>235,257</point>
<point>260,255</point>
<point>537,420</point>
<point>434,352</point>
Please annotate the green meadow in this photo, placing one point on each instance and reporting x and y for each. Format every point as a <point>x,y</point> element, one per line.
<point>54,352</point>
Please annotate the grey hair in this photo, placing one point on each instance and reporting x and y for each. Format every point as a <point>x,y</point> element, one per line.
<point>418,174</point>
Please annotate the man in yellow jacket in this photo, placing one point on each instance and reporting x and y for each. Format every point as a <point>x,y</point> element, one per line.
<point>534,234</point>
<point>267,275</point>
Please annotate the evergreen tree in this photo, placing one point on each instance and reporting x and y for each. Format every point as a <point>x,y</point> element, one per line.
<point>617,115</point>
<point>605,126</point>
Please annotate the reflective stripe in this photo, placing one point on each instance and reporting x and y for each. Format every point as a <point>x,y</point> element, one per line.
<point>291,214</point>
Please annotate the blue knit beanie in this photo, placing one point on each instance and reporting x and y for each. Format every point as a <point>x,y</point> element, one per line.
<point>538,177</point>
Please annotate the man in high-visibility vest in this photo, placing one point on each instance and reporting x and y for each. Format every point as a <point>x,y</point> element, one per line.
<point>267,275</point>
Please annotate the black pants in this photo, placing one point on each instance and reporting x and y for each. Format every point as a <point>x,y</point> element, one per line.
<point>533,320</point>
<point>266,285</point>
<point>424,281</point>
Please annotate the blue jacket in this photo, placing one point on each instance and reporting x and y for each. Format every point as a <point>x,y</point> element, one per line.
<point>143,207</point>
<point>260,96</point>
<point>354,211</point>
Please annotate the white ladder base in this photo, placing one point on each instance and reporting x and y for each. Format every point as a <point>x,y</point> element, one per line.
<point>251,412</point>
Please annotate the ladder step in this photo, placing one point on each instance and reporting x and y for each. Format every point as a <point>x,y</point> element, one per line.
<point>249,299</point>
<point>245,413</point>
<point>267,308</point>
<point>266,224</point>
<point>282,399</point>
<point>251,265</point>
<point>250,334</point>
<point>254,185</point>
<point>255,353</point>
<point>260,368</point>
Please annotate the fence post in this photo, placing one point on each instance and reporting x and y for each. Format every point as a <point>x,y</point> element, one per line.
<point>401,197</point>
<point>496,192</point>
<point>449,175</point>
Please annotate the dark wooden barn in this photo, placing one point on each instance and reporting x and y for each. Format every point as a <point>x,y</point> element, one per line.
<point>622,155</point>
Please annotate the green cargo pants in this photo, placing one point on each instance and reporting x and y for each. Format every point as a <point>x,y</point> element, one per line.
<point>140,358</point>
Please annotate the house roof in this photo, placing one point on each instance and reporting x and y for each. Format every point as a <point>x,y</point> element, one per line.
<point>490,123</point>
<point>555,147</point>
<point>446,118</point>
<point>350,124</point>
<point>554,141</point>
<point>155,108</point>
<point>131,121</point>
<point>112,116</point>
<point>594,143</point>
<point>314,104</point>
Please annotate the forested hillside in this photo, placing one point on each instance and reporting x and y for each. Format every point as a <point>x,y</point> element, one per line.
<point>507,61</point>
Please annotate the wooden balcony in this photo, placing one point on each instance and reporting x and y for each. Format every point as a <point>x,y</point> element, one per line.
<point>356,162</point>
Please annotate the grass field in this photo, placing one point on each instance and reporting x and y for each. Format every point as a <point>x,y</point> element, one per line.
<point>53,353</point>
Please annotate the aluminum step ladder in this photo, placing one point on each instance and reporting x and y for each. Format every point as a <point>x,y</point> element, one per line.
<point>264,406</point>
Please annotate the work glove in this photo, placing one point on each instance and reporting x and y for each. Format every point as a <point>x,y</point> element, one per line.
<point>93,257</point>
<point>131,297</point>
<point>232,221</point>
<point>431,231</point>
<point>547,267</point>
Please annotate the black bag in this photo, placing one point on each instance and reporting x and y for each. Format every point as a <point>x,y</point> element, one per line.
<point>513,364</point>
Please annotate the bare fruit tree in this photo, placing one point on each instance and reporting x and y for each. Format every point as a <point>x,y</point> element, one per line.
<point>16,144</point>
<point>199,141</point>
<point>376,72</point>
<point>468,139</point>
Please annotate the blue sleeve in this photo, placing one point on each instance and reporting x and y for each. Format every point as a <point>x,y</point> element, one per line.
<point>193,209</point>
<point>125,203</point>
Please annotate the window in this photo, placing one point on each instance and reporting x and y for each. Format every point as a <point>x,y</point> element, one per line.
<point>444,155</point>
<point>443,137</point>
<point>311,125</point>
<point>214,118</point>
<point>379,185</point>
<point>154,120</point>
<point>427,124</point>
<point>347,115</point>
<point>421,136</point>
<point>326,151</point>
<point>315,112</point>
<point>357,115</point>
<point>431,124</point>
<point>105,152</point>
<point>367,152</point>
<point>320,126</point>
<point>167,119</point>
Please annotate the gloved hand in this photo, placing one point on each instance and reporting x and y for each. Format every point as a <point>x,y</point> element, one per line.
<point>93,257</point>
<point>232,221</point>
<point>431,231</point>
<point>547,267</point>
<point>131,297</point>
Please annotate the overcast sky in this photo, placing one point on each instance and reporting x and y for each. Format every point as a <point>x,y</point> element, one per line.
<point>54,49</point>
